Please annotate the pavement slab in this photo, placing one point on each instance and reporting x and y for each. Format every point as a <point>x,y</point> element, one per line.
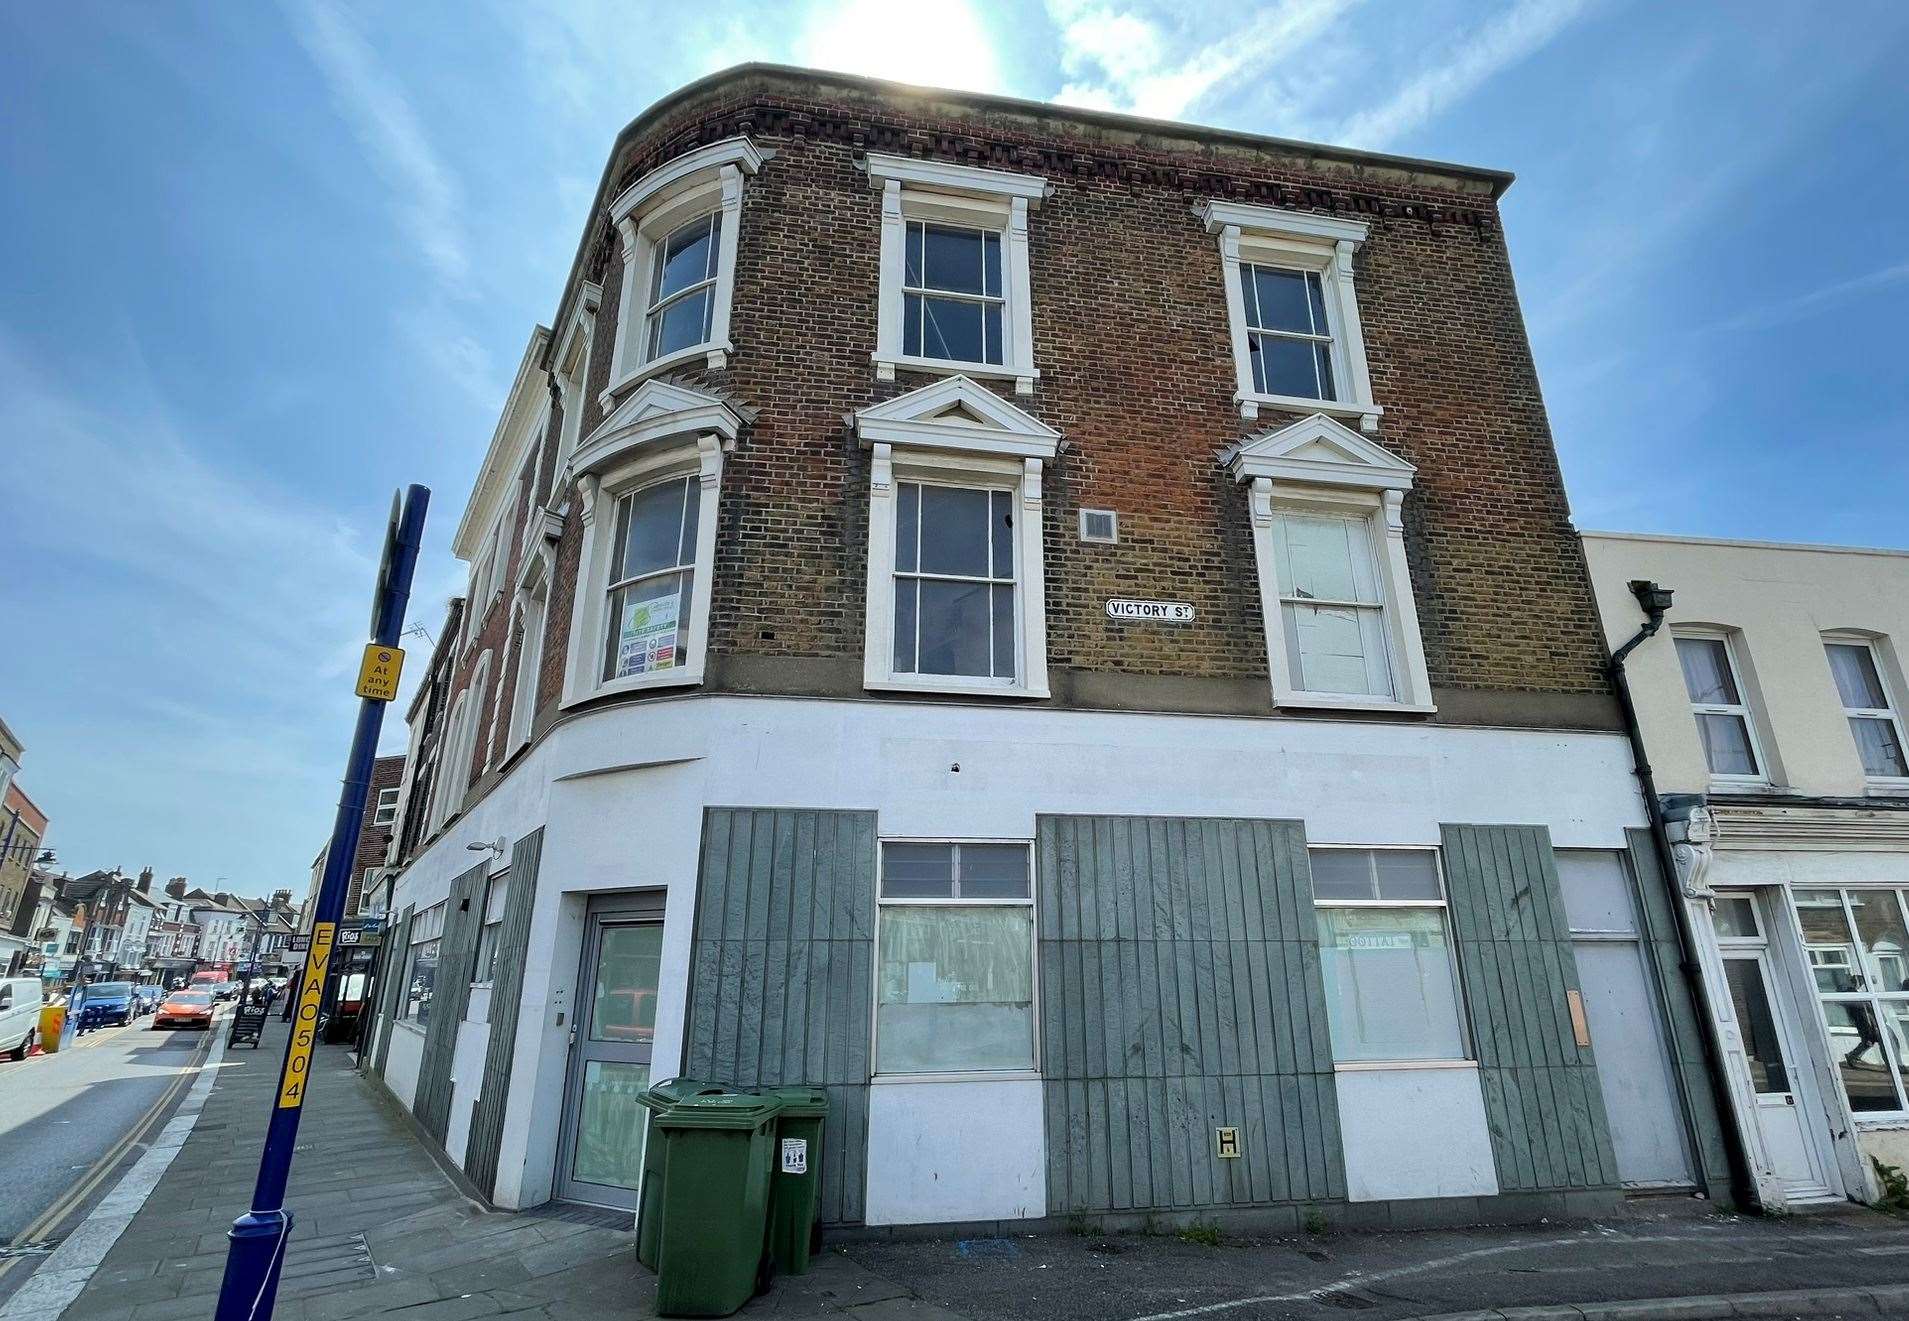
<point>381,1230</point>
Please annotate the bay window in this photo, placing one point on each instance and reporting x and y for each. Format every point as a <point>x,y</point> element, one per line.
<point>954,958</point>
<point>1386,956</point>
<point>652,569</point>
<point>678,230</point>
<point>1873,719</point>
<point>682,302</point>
<point>649,480</point>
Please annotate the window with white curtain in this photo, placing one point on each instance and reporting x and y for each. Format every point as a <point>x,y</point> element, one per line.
<point>1717,702</point>
<point>955,959</point>
<point>1332,605</point>
<point>1874,721</point>
<point>1386,955</point>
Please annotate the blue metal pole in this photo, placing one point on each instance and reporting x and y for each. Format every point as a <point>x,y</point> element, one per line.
<point>256,1241</point>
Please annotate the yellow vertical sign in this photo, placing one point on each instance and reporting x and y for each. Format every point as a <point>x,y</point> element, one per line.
<point>311,990</point>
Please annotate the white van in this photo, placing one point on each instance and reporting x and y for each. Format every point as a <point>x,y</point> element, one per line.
<point>20,1002</point>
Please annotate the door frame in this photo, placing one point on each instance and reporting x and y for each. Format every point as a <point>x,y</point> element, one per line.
<point>614,908</point>
<point>1817,1098</point>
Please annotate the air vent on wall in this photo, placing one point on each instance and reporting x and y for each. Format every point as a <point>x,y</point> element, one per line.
<point>1099,525</point>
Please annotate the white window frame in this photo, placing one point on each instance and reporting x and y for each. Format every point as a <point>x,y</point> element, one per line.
<point>875,956</point>
<point>1882,661</point>
<point>480,975</point>
<point>1317,465</point>
<point>1442,904</point>
<point>385,811</point>
<point>661,432</point>
<point>1745,710</point>
<point>967,197</point>
<point>572,373</point>
<point>956,432</point>
<point>533,615</point>
<point>1873,999</point>
<point>1301,241</point>
<point>708,179</point>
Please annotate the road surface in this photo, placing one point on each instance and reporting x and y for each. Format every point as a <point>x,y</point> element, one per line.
<point>70,1121</point>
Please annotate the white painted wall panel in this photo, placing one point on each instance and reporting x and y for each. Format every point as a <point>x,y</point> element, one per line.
<point>1415,1133</point>
<point>401,1064</point>
<point>942,1151</point>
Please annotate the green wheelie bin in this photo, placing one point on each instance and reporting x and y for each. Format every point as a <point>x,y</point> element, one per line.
<point>649,1197</point>
<point>717,1148</point>
<point>795,1189</point>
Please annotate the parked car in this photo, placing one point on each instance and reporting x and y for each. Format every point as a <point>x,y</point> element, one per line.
<point>20,1002</point>
<point>150,994</point>
<point>184,1009</point>
<point>106,1004</point>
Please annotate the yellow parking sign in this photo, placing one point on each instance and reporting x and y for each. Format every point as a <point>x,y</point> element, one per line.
<point>378,675</point>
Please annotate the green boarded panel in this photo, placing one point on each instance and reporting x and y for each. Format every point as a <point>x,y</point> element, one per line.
<point>781,990</point>
<point>1180,993</point>
<point>1542,1101</point>
<point>457,949</point>
<point>1657,920</point>
<point>507,994</point>
<point>397,950</point>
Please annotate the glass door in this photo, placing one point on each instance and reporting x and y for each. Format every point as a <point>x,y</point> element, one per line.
<point>1780,1120</point>
<point>604,1123</point>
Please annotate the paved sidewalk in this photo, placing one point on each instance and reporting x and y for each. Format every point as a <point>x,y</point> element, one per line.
<point>381,1229</point>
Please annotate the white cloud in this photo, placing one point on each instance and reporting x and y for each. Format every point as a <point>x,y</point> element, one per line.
<point>943,43</point>
<point>1456,73</point>
<point>1785,310</point>
<point>1114,57</point>
<point>387,126</point>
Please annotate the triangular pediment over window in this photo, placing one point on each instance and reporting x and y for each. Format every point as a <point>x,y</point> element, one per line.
<point>657,412</point>
<point>957,414</point>
<point>1318,451</point>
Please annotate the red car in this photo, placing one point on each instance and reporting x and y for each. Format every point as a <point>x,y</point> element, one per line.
<point>184,1009</point>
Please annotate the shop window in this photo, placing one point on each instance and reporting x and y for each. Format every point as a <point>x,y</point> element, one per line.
<point>955,959</point>
<point>1386,954</point>
<point>420,968</point>
<point>1857,941</point>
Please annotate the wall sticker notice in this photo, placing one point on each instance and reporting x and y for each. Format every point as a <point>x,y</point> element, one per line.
<point>795,1155</point>
<point>1151,612</point>
<point>647,639</point>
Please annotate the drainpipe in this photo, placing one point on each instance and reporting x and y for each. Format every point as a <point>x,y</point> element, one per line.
<point>1655,602</point>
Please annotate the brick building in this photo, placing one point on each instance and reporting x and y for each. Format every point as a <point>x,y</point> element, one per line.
<point>1063,630</point>
<point>374,841</point>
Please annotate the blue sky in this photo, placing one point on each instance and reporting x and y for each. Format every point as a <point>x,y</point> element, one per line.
<point>264,263</point>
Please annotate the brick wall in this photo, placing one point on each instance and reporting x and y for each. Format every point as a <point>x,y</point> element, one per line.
<point>1131,341</point>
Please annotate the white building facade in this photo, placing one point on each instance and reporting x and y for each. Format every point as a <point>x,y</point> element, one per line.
<point>1772,710</point>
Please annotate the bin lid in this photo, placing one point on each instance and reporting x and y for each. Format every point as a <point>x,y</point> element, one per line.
<point>674,1091</point>
<point>724,1109</point>
<point>804,1102</point>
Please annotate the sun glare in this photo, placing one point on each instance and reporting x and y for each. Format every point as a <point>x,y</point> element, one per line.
<point>936,43</point>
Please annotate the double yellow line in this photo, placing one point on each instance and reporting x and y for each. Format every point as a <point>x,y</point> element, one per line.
<point>97,1172</point>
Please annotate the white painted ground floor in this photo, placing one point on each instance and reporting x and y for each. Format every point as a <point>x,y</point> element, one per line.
<point>1802,919</point>
<point>1049,963</point>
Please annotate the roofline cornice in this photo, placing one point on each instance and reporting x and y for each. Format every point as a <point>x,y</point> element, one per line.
<point>1491,183</point>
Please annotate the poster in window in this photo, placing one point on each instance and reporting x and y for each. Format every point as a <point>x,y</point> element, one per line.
<point>647,640</point>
